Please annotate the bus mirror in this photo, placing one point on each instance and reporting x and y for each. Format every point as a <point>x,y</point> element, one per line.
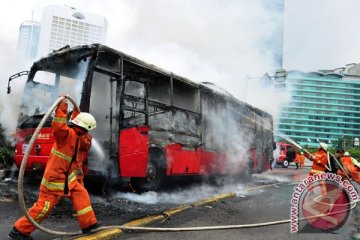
<point>12,77</point>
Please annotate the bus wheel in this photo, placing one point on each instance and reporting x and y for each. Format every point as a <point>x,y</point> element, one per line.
<point>153,180</point>
<point>285,163</point>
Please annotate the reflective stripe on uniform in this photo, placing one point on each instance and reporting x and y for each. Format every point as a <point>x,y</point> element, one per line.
<point>59,120</point>
<point>43,211</point>
<point>84,211</point>
<point>61,155</point>
<point>72,177</point>
<point>57,185</point>
<point>316,171</point>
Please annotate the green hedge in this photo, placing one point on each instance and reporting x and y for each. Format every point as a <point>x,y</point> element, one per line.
<point>355,153</point>
<point>6,157</point>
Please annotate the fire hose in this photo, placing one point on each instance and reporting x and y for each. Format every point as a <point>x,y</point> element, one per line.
<point>122,227</point>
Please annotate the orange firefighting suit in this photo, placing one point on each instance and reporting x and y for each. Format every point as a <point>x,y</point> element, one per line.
<point>53,182</point>
<point>349,168</point>
<point>301,160</point>
<point>320,160</point>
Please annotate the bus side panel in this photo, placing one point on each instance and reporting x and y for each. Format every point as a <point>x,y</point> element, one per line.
<point>134,149</point>
<point>266,161</point>
<point>181,161</point>
<point>212,163</point>
<point>253,155</point>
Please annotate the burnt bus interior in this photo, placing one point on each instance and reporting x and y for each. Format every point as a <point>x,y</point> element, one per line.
<point>143,96</point>
<point>47,79</point>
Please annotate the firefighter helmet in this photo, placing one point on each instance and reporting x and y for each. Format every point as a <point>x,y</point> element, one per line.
<point>323,146</point>
<point>85,120</point>
<point>346,154</point>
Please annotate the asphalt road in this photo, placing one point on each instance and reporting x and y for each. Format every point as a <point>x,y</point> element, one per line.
<point>259,205</point>
<point>266,198</point>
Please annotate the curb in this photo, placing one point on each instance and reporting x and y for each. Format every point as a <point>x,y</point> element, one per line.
<point>212,199</point>
<point>260,187</point>
<point>144,221</point>
<point>106,234</point>
<point>111,233</point>
<point>176,210</point>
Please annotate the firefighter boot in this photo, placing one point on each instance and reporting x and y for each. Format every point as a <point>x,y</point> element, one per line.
<point>16,235</point>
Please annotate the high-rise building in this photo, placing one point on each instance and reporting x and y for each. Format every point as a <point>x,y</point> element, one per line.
<point>325,106</point>
<point>28,41</point>
<point>61,26</point>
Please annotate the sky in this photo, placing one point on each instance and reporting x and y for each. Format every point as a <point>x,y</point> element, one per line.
<point>228,42</point>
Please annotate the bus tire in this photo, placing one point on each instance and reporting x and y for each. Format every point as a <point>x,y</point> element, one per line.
<point>155,173</point>
<point>285,163</point>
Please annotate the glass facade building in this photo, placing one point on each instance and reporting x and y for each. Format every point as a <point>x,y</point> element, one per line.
<point>28,41</point>
<point>324,106</point>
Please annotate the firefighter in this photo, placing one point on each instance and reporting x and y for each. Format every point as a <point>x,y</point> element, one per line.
<point>297,160</point>
<point>349,168</point>
<point>82,154</point>
<point>356,163</point>
<point>319,159</point>
<point>340,153</point>
<point>59,179</point>
<point>301,160</point>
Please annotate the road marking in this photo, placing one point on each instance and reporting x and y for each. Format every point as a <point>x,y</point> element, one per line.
<point>260,187</point>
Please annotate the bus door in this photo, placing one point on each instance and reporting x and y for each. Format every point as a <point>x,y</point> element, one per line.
<point>105,86</point>
<point>134,128</point>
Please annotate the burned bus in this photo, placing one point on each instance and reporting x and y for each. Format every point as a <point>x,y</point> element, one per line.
<point>152,124</point>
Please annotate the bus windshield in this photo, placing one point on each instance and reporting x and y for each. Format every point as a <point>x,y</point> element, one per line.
<point>47,84</point>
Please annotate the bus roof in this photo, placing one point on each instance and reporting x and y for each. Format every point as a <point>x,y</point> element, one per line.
<point>88,50</point>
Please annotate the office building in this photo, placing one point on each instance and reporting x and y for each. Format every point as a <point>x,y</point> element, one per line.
<point>62,25</point>
<point>325,106</point>
<point>28,41</point>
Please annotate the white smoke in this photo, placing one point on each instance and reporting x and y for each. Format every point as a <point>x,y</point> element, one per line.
<point>224,133</point>
<point>9,104</point>
<point>97,158</point>
<point>212,41</point>
<point>267,97</point>
<point>205,40</point>
<point>184,196</point>
<point>313,39</point>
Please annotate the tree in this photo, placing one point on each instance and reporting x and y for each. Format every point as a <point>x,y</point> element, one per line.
<point>3,142</point>
<point>6,151</point>
<point>337,144</point>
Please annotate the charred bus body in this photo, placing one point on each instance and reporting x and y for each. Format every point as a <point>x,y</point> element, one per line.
<point>152,124</point>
